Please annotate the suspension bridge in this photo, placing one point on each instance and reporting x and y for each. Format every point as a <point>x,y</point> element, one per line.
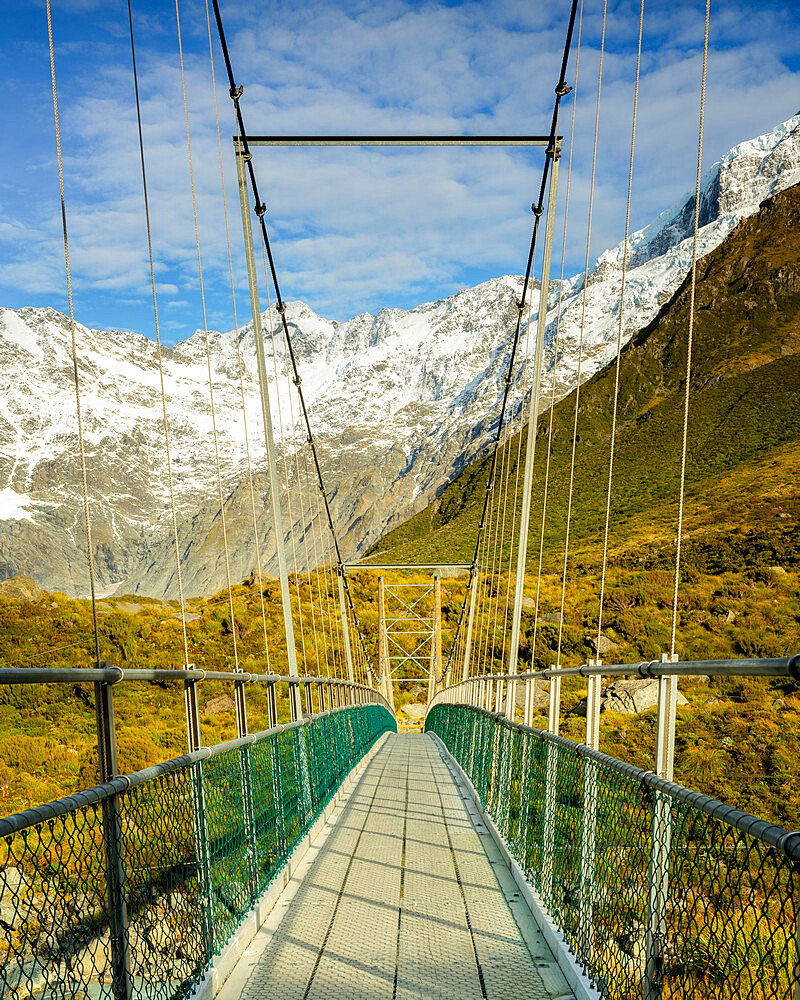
<point>322,854</point>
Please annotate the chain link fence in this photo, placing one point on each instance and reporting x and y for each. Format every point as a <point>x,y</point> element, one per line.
<point>128,890</point>
<point>658,891</point>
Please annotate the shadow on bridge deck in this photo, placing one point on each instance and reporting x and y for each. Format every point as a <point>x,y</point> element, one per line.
<point>406,896</point>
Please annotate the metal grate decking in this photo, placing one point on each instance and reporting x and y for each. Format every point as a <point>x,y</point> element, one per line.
<point>406,897</point>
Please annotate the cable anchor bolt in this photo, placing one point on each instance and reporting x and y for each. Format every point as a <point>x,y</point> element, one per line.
<point>280,307</point>
<point>260,210</point>
<point>236,92</point>
<point>537,210</point>
<point>562,90</point>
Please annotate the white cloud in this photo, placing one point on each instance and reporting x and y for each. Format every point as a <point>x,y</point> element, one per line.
<point>354,228</point>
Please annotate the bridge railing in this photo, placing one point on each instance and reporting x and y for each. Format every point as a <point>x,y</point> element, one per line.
<point>131,888</point>
<point>657,890</point>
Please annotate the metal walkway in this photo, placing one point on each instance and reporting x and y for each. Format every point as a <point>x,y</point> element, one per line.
<point>407,896</point>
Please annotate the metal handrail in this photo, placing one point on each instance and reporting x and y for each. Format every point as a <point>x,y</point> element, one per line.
<point>781,666</point>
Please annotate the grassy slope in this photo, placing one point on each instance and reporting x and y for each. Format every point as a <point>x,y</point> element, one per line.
<point>740,586</point>
<point>745,404</point>
<point>743,507</point>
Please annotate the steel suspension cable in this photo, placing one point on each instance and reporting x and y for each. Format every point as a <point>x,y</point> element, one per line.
<point>285,463</point>
<point>557,338</point>
<point>690,333</point>
<point>293,428</point>
<point>618,361</point>
<point>260,210</point>
<point>570,493</point>
<point>504,477</point>
<point>561,90</point>
<point>81,446</point>
<point>238,348</point>
<point>207,344</point>
<point>165,421</point>
<point>518,469</point>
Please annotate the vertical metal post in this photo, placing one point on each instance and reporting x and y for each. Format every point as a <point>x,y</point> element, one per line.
<point>112,839</point>
<point>266,412</point>
<point>241,708</point>
<point>589,825</point>
<point>593,707</point>
<point>384,674</point>
<point>548,832</point>
<point>272,706</point>
<point>554,705</point>
<point>345,627</point>
<point>195,741</point>
<point>193,736</point>
<point>551,780</point>
<point>652,984</point>
<point>248,818</point>
<point>530,692</point>
<point>470,622</point>
<point>437,630</point>
<point>533,413</point>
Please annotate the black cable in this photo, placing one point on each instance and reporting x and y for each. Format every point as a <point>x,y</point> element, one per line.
<point>561,90</point>
<point>260,211</point>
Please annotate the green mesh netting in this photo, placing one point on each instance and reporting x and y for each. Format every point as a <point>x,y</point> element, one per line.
<point>658,891</point>
<point>129,893</point>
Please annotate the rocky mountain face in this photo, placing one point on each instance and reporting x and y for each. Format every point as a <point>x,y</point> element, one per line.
<point>743,453</point>
<point>399,402</point>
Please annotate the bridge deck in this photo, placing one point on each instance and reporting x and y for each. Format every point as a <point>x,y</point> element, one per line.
<point>406,897</point>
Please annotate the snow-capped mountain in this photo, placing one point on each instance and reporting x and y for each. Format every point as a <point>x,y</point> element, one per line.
<point>399,403</point>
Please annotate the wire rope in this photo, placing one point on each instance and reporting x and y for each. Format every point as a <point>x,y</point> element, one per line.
<point>81,445</point>
<point>690,333</point>
<point>618,360</point>
<point>159,351</point>
<point>238,347</point>
<point>557,337</point>
<point>515,508</point>
<point>207,344</point>
<point>302,520</point>
<point>260,211</point>
<point>570,492</point>
<point>538,207</point>
<point>285,464</point>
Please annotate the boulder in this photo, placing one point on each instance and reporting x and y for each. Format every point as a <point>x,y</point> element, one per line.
<point>633,696</point>
<point>20,588</point>
<point>223,703</point>
<point>15,900</point>
<point>602,645</point>
<point>414,710</point>
<point>629,697</point>
<point>541,697</point>
<point>552,618</point>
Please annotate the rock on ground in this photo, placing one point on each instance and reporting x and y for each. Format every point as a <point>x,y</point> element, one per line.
<point>629,697</point>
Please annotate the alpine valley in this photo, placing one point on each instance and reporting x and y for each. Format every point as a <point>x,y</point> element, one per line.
<point>428,381</point>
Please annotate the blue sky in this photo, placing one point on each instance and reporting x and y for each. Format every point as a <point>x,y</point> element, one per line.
<point>353,229</point>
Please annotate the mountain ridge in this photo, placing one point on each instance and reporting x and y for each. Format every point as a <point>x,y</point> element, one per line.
<point>400,403</point>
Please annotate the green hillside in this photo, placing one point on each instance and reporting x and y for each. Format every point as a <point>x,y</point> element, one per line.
<point>738,740</point>
<point>744,418</point>
<point>740,580</point>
